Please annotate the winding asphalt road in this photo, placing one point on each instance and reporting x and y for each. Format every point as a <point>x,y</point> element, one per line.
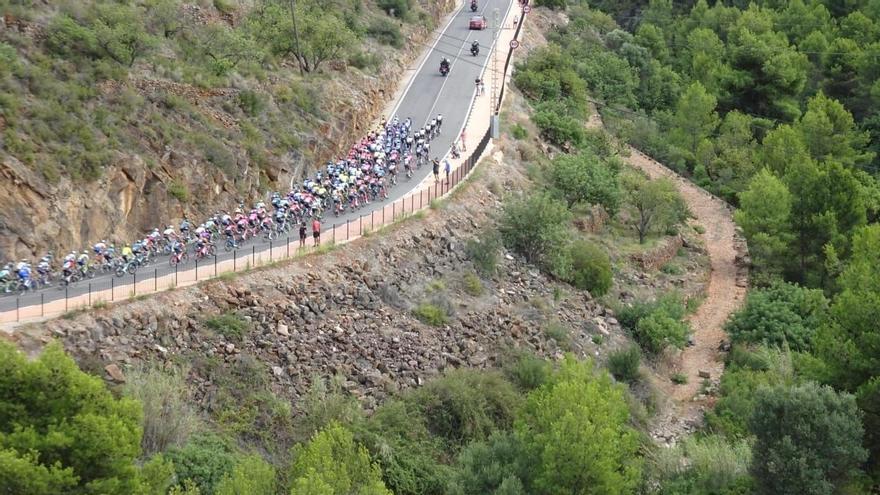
<point>427,94</point>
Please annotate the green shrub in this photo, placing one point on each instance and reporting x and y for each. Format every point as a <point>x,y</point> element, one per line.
<point>225,6</point>
<point>61,430</point>
<point>679,378</point>
<point>558,128</point>
<point>590,268</point>
<point>518,132</point>
<point>783,314</point>
<point>624,364</point>
<point>229,325</point>
<point>325,402</point>
<point>466,404</point>
<point>704,465</point>
<point>169,416</point>
<point>484,253</point>
<point>410,457</point>
<point>179,191</point>
<point>385,31</point>
<point>586,178</point>
<point>495,466</point>
<point>431,314</point>
<point>472,284</point>
<point>671,268</point>
<point>364,60</point>
<point>535,226</point>
<point>332,462</point>
<point>401,7</point>
<point>251,102</point>
<point>527,371</point>
<point>559,333</point>
<point>669,303</point>
<point>658,330</point>
<point>205,460</point>
<point>251,475</point>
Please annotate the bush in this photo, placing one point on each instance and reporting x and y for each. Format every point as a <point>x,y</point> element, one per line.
<point>559,333</point>
<point>431,314</point>
<point>401,7</point>
<point>398,439</point>
<point>61,430</point>
<point>527,371</point>
<point>518,132</point>
<point>658,330</point>
<point>251,475</point>
<point>179,191</point>
<point>624,364</point>
<point>783,314</point>
<point>326,402</point>
<point>535,226</point>
<point>332,462</point>
<point>679,378</point>
<point>472,284</point>
<point>579,411</point>
<point>558,128</point>
<point>495,466</point>
<point>703,465</point>
<point>590,268</point>
<point>205,460</point>
<point>466,405</point>
<point>385,31</point>
<point>585,178</point>
<point>251,102</point>
<point>808,439</point>
<point>229,325</point>
<point>484,253</point>
<point>169,416</point>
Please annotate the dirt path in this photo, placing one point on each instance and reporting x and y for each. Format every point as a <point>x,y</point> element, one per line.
<point>725,293</point>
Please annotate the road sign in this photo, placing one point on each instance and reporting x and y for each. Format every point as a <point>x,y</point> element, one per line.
<point>514,44</point>
<point>527,9</point>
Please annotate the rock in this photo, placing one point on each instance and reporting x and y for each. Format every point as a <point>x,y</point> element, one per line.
<point>114,373</point>
<point>161,349</point>
<point>230,348</point>
<point>704,374</point>
<point>277,371</point>
<point>281,329</point>
<point>478,359</point>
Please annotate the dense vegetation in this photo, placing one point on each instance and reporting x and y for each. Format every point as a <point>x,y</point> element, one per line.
<point>469,432</point>
<point>772,106</point>
<point>83,83</point>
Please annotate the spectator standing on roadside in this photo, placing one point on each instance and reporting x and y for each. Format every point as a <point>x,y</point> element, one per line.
<point>316,231</point>
<point>302,234</point>
<point>447,167</point>
<point>482,87</point>
<point>477,84</point>
<point>436,168</point>
<point>463,146</point>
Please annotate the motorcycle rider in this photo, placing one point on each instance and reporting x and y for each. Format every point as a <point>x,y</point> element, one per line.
<point>475,48</point>
<point>444,64</point>
<point>474,6</point>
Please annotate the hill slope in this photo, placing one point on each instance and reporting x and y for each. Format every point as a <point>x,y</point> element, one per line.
<point>115,117</point>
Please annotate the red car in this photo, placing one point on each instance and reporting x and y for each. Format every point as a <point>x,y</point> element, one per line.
<point>478,22</point>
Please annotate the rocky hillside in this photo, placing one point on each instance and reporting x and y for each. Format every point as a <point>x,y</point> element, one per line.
<point>114,116</point>
<point>357,312</point>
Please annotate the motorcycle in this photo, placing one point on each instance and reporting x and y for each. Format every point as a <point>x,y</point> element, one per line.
<point>474,6</point>
<point>444,70</point>
<point>475,50</point>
